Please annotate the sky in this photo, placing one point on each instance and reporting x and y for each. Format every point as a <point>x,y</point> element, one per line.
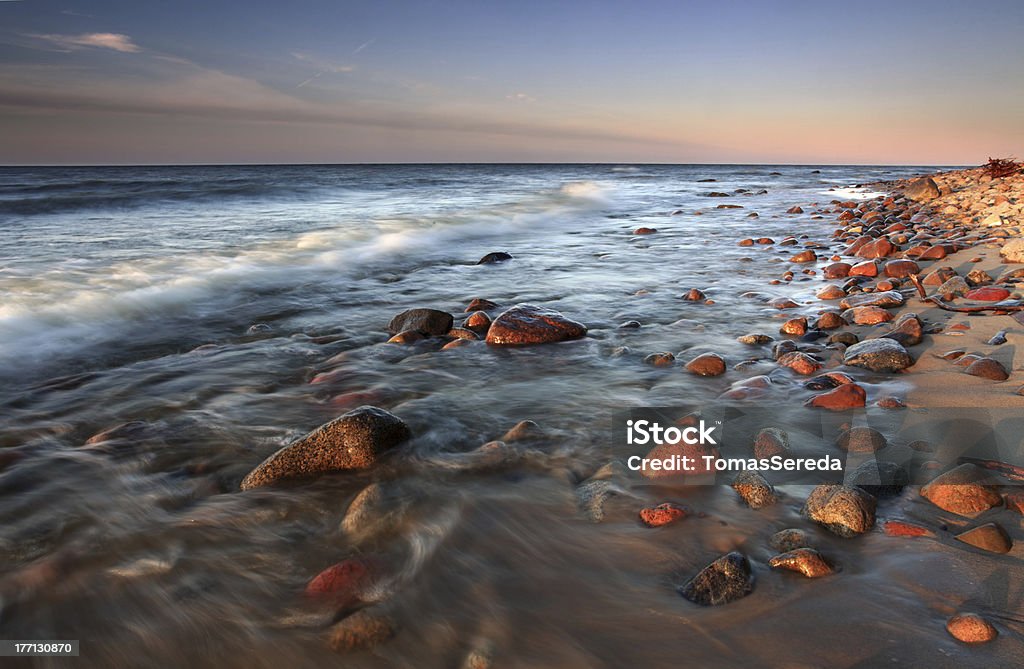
<point>334,81</point>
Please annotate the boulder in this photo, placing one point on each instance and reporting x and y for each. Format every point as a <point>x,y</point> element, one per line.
<point>922,190</point>
<point>353,441</point>
<point>526,324</point>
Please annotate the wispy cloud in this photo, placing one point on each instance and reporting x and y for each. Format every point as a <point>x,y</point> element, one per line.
<point>363,46</point>
<point>520,97</point>
<point>114,41</point>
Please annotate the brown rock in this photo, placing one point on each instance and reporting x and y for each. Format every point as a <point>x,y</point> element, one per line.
<point>480,304</point>
<point>794,326</point>
<point>830,292</point>
<point>695,295</point>
<point>869,315</point>
<point>478,321</point>
<point>861,440</point>
<point>663,514</point>
<point>901,268</point>
<point>360,631</point>
<point>804,256</point>
<point>795,210</point>
<point>526,324</point>
<point>725,580</point>
<point>843,510</point>
<point>988,537</point>
<point>353,441</point>
<point>754,489</point>
<point>343,584</point>
<point>848,396</point>
<point>868,268</point>
<point>430,322</point>
<point>899,528</point>
<point>801,363</point>
<point>789,540</point>
<point>967,490</point>
<point>837,270</point>
<point>879,248</point>
<point>645,231</point>
<point>660,359</point>
<point>971,628</point>
<point>830,320</point>
<point>769,442</point>
<point>806,561</point>
<point>988,368</point>
<point>922,190</point>
<point>407,337</point>
<point>707,364</point>
<point>463,333</point>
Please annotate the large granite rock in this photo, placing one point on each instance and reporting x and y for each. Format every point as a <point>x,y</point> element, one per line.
<point>529,324</point>
<point>922,190</point>
<point>353,441</point>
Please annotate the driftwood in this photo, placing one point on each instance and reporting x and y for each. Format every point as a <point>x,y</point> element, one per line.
<point>1012,472</point>
<point>1005,305</point>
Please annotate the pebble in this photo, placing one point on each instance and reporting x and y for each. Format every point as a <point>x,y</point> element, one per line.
<point>754,489</point>
<point>769,442</point>
<point>847,396</point>
<point>861,440</point>
<point>843,510</point>
<point>801,363</point>
<point>988,368</point>
<point>707,364</point>
<point>725,580</point>
<point>806,561</point>
<point>878,355</point>
<point>663,514</point>
<point>660,359</point>
<point>755,339</point>
<point>789,539</point>
<point>988,537</point>
<point>971,628</point>
<point>360,631</point>
<point>966,490</point>
<point>830,292</point>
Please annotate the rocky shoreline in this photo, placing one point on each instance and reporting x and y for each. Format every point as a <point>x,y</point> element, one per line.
<point>902,271</point>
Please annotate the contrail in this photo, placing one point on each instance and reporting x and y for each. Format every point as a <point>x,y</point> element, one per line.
<point>363,46</point>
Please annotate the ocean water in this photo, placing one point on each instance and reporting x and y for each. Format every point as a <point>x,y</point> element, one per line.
<point>229,310</point>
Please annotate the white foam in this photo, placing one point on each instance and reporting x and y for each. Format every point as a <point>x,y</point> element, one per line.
<point>854,193</point>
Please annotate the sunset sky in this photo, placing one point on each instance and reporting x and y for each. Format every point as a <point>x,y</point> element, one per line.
<point>188,81</point>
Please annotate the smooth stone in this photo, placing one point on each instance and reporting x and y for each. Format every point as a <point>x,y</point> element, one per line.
<point>663,514</point>
<point>801,363</point>
<point>843,510</point>
<point>480,304</point>
<point>988,368</point>
<point>755,339</point>
<point>861,440</point>
<point>478,321</point>
<point>922,190</point>
<point>725,580</point>
<point>524,430</point>
<point>966,490</point>
<point>1013,250</point>
<point>353,441</point>
<point>988,537</point>
<point>431,322</point>
<point>869,315</point>
<point>806,561</point>
<point>830,292</point>
<point>884,299</point>
<point>878,355</point>
<point>660,359</point>
<point>988,294</point>
<point>769,442</point>
<point>794,326</point>
<point>881,478</point>
<point>695,295</point>
<point>526,324</point>
<point>954,286</point>
<point>898,269</point>
<point>899,528</point>
<point>754,489</point>
<point>908,330</point>
<point>841,398</point>
<point>343,583</point>
<point>494,257</point>
<point>707,364</point>
<point>971,628</point>
<point>846,338</point>
<point>360,631</point>
<point>789,539</point>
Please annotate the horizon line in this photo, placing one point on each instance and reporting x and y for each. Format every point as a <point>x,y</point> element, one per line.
<point>489,163</point>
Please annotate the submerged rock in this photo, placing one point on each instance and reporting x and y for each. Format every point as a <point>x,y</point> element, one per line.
<point>789,539</point>
<point>881,478</point>
<point>663,514</point>
<point>878,355</point>
<point>360,631</point>
<point>706,364</point>
<point>754,489</point>
<point>526,324</point>
<point>769,442</point>
<point>431,322</point>
<point>494,257</point>
<point>841,398</point>
<point>806,561</point>
<point>843,510</point>
<point>725,580</point>
<point>861,440</point>
<point>353,441</point>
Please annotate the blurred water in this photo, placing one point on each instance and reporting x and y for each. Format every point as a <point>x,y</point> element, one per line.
<point>128,295</point>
